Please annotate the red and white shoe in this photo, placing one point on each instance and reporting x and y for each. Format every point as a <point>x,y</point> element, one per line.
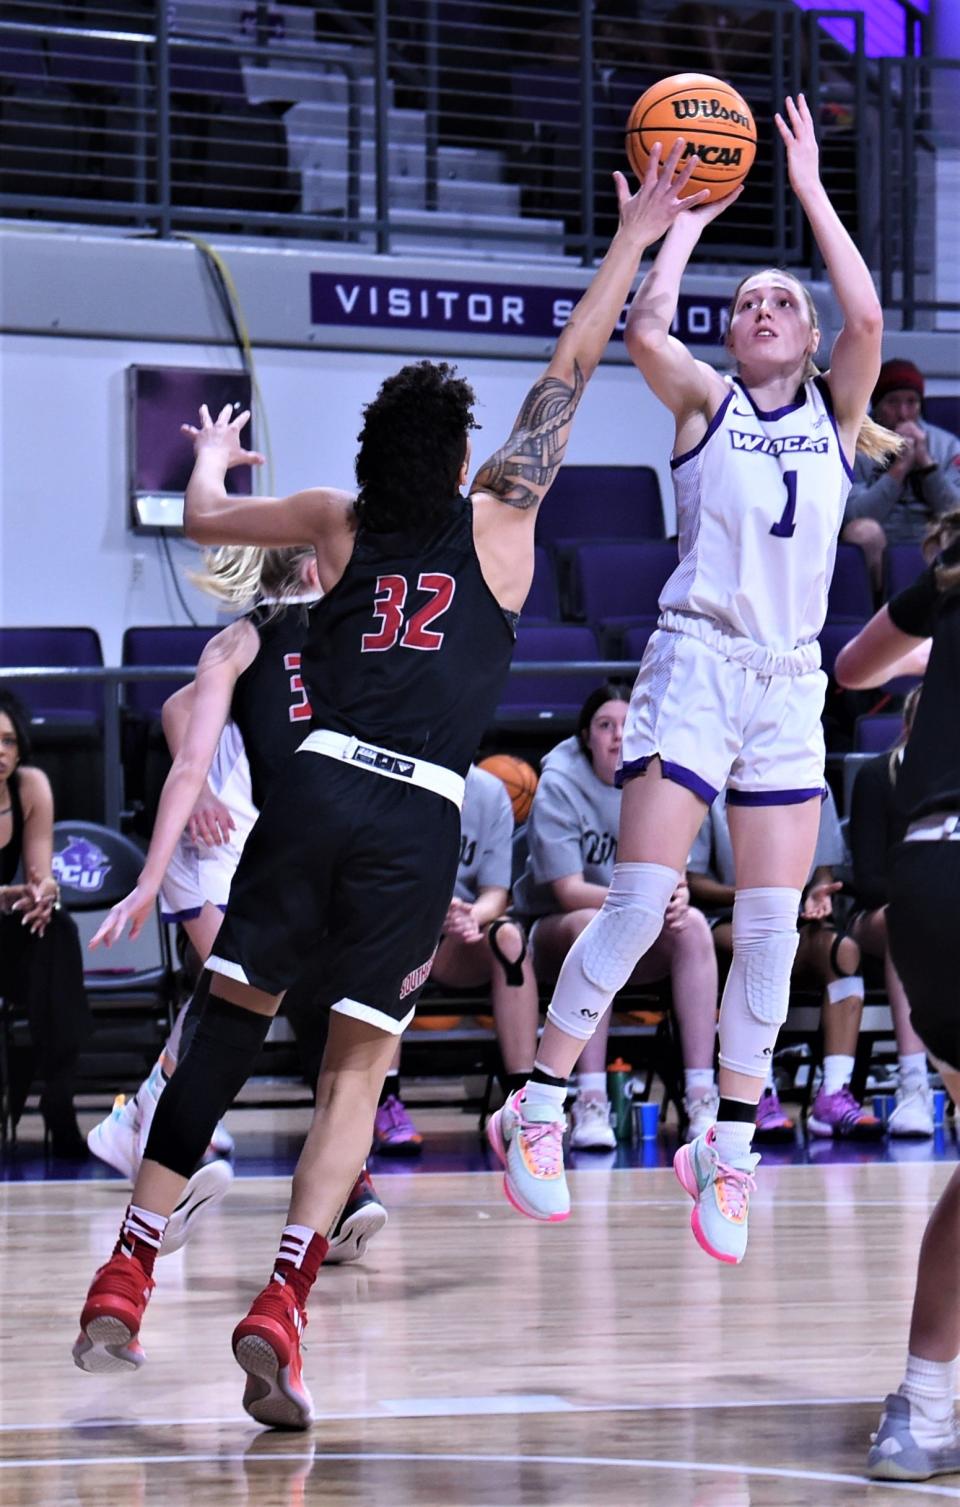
<point>267,1346</point>
<point>111,1317</point>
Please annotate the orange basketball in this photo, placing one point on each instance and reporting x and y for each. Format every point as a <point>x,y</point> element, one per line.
<point>520,779</point>
<point>714,121</point>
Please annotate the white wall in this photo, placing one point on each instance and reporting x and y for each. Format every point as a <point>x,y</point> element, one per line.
<point>66,554</point>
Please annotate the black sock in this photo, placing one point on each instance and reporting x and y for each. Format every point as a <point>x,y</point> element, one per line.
<point>736,1109</point>
<point>540,1075</point>
<point>391,1085</point>
<point>511,1082</point>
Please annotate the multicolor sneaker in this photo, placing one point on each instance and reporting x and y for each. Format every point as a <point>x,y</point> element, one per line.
<point>773,1123</point>
<point>912,1114</point>
<point>897,1453</point>
<point>394,1133</point>
<point>203,1192</point>
<point>840,1116</point>
<point>721,1196</point>
<point>114,1139</point>
<point>361,1217</point>
<point>700,1109</point>
<point>111,1317</point>
<point>528,1140</point>
<point>267,1346</point>
<point>590,1124</point>
<point>146,1099</point>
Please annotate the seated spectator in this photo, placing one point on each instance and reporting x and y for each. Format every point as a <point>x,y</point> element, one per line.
<point>892,501</point>
<point>572,838</point>
<point>824,957</point>
<point>876,826</point>
<point>41,965</point>
<point>479,947</point>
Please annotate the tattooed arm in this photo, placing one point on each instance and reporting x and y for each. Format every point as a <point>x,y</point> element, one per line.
<point>509,487</point>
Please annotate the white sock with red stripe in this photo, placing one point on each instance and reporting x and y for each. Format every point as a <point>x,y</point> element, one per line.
<point>141,1235</point>
<point>299,1259</point>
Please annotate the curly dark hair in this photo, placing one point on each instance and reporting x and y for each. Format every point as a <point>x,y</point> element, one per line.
<point>412,445</point>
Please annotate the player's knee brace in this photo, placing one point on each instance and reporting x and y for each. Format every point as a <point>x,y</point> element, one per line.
<point>512,967</point>
<point>757,992</point>
<point>602,959</point>
<point>224,1049</point>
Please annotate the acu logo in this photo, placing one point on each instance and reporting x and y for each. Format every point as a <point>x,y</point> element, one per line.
<point>81,865</point>
<point>598,847</point>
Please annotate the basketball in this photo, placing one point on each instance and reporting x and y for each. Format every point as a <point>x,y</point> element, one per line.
<point>713,119</point>
<point>520,779</point>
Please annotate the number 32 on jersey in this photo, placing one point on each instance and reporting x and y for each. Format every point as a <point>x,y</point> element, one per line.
<point>413,631</point>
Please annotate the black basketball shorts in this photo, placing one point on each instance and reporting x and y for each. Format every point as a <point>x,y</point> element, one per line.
<point>924,882</point>
<point>355,866</point>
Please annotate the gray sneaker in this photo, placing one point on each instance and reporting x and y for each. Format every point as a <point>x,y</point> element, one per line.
<point>897,1456</point>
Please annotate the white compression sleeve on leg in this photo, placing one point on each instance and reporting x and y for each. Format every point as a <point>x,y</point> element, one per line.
<point>604,956</point>
<point>757,991</point>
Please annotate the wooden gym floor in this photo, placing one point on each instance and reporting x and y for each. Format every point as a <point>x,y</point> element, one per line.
<point>474,1359</point>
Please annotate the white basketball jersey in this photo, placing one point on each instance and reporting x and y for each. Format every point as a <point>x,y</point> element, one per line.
<point>229,778</point>
<point>760,502</point>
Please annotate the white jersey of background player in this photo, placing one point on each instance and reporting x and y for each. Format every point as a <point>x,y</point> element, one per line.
<point>199,874</point>
<point>730,690</point>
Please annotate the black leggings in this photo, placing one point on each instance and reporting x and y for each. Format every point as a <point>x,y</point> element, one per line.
<point>923,926</point>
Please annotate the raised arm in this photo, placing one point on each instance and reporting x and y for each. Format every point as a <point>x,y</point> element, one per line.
<point>320,516</point>
<point>855,358</point>
<point>222,662</point>
<point>880,652</point>
<point>509,487</point>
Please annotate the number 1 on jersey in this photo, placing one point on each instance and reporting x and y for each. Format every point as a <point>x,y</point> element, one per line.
<point>785,527</point>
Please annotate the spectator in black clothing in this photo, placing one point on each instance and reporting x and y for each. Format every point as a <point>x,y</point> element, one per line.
<point>876,825</point>
<point>41,966</point>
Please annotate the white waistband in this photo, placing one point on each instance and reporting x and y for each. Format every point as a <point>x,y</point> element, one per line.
<point>743,651</point>
<point>939,826</point>
<point>392,766</point>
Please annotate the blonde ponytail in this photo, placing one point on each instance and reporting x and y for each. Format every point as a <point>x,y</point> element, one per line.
<point>938,538</point>
<point>238,575</point>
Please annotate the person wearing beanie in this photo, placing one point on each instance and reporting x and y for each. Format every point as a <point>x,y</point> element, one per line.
<point>894,501</point>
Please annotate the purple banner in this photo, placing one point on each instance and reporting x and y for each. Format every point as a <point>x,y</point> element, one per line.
<point>452,306</point>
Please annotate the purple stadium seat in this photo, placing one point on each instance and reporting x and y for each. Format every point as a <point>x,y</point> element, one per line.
<point>635,640</point>
<point>546,696</point>
<point>904,564</point>
<point>876,734</point>
<point>542,601</point>
<point>833,636</point>
<point>601,502</point>
<point>850,597</point>
<point>622,580</point>
<point>160,646</point>
<point>78,702</point>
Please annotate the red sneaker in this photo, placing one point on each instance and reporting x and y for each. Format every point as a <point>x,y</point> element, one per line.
<point>111,1317</point>
<point>267,1346</point>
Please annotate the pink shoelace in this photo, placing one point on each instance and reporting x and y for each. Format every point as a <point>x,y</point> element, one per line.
<point>737,1187</point>
<point>544,1141</point>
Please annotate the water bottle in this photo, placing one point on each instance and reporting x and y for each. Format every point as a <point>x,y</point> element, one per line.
<point>618,1075</point>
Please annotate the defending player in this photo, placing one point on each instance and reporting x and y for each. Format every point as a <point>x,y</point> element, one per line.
<point>730,688</point>
<point>403,664</point>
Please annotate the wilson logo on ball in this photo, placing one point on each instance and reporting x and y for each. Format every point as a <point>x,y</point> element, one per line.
<point>709,109</point>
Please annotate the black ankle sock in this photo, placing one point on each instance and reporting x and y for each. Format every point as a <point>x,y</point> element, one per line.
<point>511,1082</point>
<point>391,1085</point>
<point>736,1109</point>
<point>540,1075</point>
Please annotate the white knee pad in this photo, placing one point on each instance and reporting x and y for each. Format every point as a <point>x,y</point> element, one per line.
<point>604,956</point>
<point>628,923</point>
<point>757,993</point>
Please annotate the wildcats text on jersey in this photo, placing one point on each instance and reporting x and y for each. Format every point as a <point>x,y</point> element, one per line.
<point>786,444</point>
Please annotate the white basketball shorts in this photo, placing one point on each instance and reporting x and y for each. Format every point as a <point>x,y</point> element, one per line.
<point>198,875</point>
<point>719,711</point>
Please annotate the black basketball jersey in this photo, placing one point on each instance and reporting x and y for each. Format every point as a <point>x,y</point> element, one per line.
<point>269,704</point>
<point>410,650</point>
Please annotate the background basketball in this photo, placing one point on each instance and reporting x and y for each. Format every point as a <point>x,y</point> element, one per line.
<point>713,119</point>
<point>520,779</point>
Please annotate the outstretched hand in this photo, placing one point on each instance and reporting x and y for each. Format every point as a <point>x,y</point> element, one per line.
<point>660,202</point>
<point>800,140</point>
<point>222,437</point>
<point>132,911</point>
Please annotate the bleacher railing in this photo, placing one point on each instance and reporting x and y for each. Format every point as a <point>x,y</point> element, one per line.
<point>492,126</point>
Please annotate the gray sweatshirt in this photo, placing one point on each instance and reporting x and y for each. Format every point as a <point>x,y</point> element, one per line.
<point>486,836</point>
<point>906,507</point>
<point>572,829</point>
